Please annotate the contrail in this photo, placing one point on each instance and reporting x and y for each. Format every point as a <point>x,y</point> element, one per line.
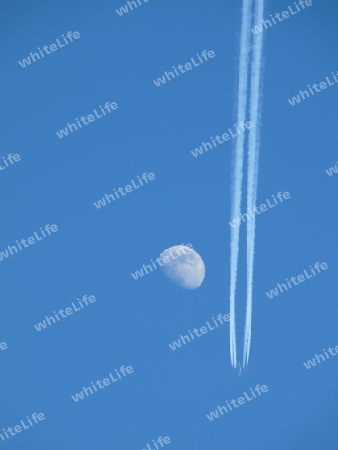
<point>252,171</point>
<point>236,187</point>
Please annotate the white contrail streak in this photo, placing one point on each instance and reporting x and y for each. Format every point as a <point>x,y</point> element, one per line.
<point>236,187</point>
<point>253,161</point>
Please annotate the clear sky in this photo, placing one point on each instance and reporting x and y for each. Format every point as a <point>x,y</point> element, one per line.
<point>94,251</point>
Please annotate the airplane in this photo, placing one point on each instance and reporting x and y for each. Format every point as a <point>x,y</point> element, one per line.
<point>240,370</point>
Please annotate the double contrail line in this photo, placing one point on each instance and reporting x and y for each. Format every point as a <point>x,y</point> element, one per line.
<point>236,187</point>
<point>248,45</point>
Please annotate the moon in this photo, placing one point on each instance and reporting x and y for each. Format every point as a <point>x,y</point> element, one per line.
<point>184,266</point>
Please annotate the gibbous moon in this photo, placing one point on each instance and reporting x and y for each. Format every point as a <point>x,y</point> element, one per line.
<point>184,266</point>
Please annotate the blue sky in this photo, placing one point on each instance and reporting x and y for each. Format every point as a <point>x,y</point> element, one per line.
<point>95,251</point>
